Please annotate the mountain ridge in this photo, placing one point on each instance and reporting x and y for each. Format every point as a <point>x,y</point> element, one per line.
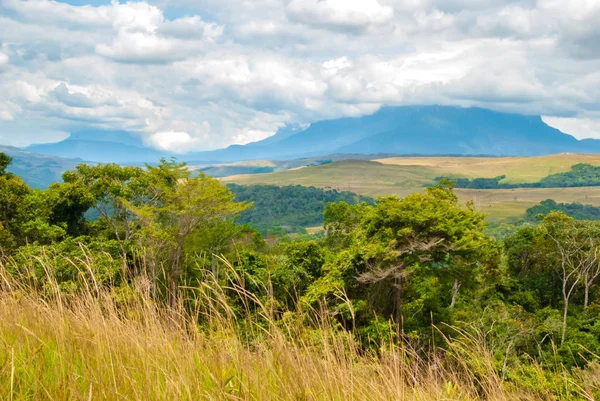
<point>400,130</point>
<point>103,147</point>
<point>38,170</point>
<point>424,130</point>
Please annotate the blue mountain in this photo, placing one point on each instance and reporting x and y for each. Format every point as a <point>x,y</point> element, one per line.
<point>404,130</point>
<point>38,171</point>
<point>103,147</point>
<point>410,130</point>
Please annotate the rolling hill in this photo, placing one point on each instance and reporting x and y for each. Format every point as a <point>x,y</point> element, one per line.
<point>404,175</point>
<point>37,170</point>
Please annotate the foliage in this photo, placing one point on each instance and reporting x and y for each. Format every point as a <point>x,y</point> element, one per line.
<point>292,208</point>
<point>420,278</point>
<point>574,210</point>
<point>406,258</point>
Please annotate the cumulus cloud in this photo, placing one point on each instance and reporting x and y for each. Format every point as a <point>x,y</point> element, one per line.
<point>72,99</point>
<point>339,14</point>
<point>192,75</point>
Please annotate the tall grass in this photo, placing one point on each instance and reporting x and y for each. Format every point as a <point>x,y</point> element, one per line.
<point>106,344</point>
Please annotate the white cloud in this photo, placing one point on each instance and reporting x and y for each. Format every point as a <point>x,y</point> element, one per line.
<point>176,141</point>
<point>212,77</point>
<point>72,99</point>
<point>339,14</point>
<point>191,28</point>
<point>578,127</point>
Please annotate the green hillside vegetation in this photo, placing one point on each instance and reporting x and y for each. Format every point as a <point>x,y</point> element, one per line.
<point>267,166</point>
<point>412,172</point>
<point>574,210</point>
<point>288,209</point>
<point>402,176</point>
<point>226,171</point>
<point>502,229</point>
<point>165,297</point>
<point>580,175</point>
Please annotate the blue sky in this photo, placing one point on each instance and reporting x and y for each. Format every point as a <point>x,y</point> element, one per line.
<point>202,74</point>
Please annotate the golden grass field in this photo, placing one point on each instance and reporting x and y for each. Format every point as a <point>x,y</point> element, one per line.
<point>516,169</point>
<point>103,343</point>
<point>404,175</point>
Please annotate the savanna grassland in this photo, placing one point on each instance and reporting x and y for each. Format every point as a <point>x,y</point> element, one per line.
<point>164,292</point>
<point>404,175</point>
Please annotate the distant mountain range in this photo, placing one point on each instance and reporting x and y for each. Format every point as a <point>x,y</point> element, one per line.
<point>103,147</point>
<point>37,170</point>
<point>424,130</point>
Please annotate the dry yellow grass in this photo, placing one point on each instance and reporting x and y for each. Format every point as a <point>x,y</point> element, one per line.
<point>90,346</point>
<point>314,230</point>
<point>504,203</point>
<point>516,169</point>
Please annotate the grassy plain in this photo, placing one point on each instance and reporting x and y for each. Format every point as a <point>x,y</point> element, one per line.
<point>402,176</point>
<point>516,169</point>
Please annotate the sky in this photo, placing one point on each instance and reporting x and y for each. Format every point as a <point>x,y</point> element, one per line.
<point>203,74</point>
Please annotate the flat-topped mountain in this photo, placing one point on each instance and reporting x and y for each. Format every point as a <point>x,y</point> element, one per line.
<point>423,130</point>
<point>405,130</point>
<point>103,147</point>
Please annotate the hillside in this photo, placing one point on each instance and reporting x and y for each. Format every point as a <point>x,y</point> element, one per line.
<point>516,169</point>
<point>402,176</point>
<point>411,172</point>
<point>359,176</point>
<point>36,169</point>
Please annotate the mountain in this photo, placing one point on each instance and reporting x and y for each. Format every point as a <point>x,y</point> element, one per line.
<point>38,171</point>
<point>410,130</point>
<point>405,130</point>
<point>449,130</point>
<point>103,147</point>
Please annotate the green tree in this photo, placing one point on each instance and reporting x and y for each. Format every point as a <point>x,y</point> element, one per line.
<point>13,192</point>
<point>577,248</point>
<point>408,258</point>
<point>5,162</point>
<point>301,264</point>
<point>177,205</point>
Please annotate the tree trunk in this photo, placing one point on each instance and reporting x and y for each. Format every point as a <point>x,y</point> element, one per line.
<point>564,328</point>
<point>398,302</point>
<point>455,289</point>
<point>586,300</point>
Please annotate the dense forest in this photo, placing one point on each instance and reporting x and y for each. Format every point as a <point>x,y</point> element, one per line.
<point>581,175</point>
<point>417,275</point>
<point>289,208</point>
